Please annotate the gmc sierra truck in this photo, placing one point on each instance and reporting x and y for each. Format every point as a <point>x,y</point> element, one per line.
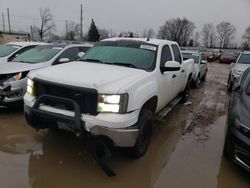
<point>112,93</point>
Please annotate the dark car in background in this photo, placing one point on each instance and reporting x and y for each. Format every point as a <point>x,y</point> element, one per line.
<point>227,57</point>
<point>237,144</point>
<point>213,55</point>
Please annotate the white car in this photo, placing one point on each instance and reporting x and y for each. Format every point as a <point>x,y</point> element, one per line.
<point>13,74</point>
<point>237,68</point>
<point>112,92</point>
<point>200,66</point>
<point>12,49</point>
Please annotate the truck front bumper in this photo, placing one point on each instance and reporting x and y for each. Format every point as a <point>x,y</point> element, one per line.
<point>117,127</point>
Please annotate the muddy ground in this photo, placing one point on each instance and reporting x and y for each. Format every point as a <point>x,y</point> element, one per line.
<point>185,151</point>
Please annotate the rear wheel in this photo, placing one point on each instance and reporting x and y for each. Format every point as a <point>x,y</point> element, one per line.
<point>144,125</point>
<point>185,94</point>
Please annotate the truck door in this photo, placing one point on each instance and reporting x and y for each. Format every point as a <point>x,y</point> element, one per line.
<point>179,75</point>
<point>166,78</point>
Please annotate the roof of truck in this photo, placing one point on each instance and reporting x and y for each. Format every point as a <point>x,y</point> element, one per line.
<point>150,41</point>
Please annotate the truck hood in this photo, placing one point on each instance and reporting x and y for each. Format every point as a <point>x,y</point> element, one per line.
<point>14,67</point>
<point>102,77</point>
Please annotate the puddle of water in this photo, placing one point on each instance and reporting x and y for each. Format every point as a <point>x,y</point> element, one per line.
<point>14,170</point>
<point>196,159</point>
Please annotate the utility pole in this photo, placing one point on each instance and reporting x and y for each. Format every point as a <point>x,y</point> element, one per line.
<point>81,22</point>
<point>3,22</point>
<point>8,13</point>
<point>31,33</point>
<point>67,30</point>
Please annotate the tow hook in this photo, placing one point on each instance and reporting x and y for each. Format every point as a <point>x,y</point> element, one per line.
<point>100,152</point>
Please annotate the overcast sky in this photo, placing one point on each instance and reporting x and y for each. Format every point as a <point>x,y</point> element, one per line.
<point>129,15</point>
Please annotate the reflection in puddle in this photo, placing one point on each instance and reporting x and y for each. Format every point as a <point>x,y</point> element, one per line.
<point>196,159</point>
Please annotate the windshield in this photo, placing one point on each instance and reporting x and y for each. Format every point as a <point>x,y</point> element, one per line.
<point>124,53</point>
<point>191,56</point>
<point>244,59</point>
<point>8,49</point>
<point>38,54</point>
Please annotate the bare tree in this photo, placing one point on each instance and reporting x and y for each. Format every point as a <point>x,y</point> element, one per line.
<point>73,30</point>
<point>148,33</point>
<point>178,29</point>
<point>196,39</point>
<point>226,32</point>
<point>208,35</point>
<point>246,38</point>
<point>47,23</point>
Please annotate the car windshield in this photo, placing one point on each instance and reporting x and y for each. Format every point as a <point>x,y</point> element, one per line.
<point>228,53</point>
<point>244,59</point>
<point>8,49</point>
<point>132,54</point>
<point>38,54</point>
<point>191,56</point>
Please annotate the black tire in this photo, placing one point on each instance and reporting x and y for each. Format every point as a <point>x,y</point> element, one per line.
<point>185,94</point>
<point>145,130</point>
<point>197,82</point>
<point>204,78</point>
<point>228,150</point>
<point>229,84</point>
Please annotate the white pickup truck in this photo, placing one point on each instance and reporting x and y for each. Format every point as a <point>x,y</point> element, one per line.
<point>112,92</point>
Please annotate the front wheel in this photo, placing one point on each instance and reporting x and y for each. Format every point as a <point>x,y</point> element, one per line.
<point>197,82</point>
<point>144,125</point>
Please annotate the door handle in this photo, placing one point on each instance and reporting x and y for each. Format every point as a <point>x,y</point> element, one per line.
<point>174,76</point>
<point>182,71</point>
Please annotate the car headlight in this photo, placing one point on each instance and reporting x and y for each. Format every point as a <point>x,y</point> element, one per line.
<point>237,72</point>
<point>30,87</point>
<point>112,103</point>
<point>15,77</point>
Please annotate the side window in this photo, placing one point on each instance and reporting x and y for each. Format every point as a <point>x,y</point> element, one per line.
<point>165,55</point>
<point>20,52</point>
<point>71,53</point>
<point>203,57</point>
<point>177,54</point>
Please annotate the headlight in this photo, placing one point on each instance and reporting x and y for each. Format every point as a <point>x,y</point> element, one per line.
<point>15,77</point>
<point>112,103</point>
<point>237,72</point>
<point>30,87</point>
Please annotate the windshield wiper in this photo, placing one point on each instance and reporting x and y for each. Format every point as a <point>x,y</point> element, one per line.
<point>124,64</point>
<point>93,60</point>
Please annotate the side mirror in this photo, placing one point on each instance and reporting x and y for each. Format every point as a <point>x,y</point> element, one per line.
<point>64,60</point>
<point>203,62</point>
<point>171,66</point>
<point>81,54</point>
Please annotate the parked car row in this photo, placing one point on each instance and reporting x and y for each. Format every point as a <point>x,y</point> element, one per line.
<point>237,144</point>
<point>32,56</point>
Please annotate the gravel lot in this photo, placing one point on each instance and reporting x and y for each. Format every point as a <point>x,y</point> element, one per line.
<point>186,150</point>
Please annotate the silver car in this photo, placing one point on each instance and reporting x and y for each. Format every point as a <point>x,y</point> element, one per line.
<point>13,74</point>
<point>12,49</point>
<point>237,69</point>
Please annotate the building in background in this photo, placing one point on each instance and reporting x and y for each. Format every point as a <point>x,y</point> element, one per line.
<point>13,37</point>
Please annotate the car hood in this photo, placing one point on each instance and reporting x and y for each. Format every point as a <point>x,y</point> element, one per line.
<point>14,67</point>
<point>239,66</point>
<point>102,77</point>
<point>3,59</point>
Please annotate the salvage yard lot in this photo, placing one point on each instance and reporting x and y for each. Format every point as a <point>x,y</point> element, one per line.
<point>186,149</point>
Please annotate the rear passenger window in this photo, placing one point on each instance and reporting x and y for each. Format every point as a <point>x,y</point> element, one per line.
<point>177,54</point>
<point>165,55</point>
<point>71,53</point>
